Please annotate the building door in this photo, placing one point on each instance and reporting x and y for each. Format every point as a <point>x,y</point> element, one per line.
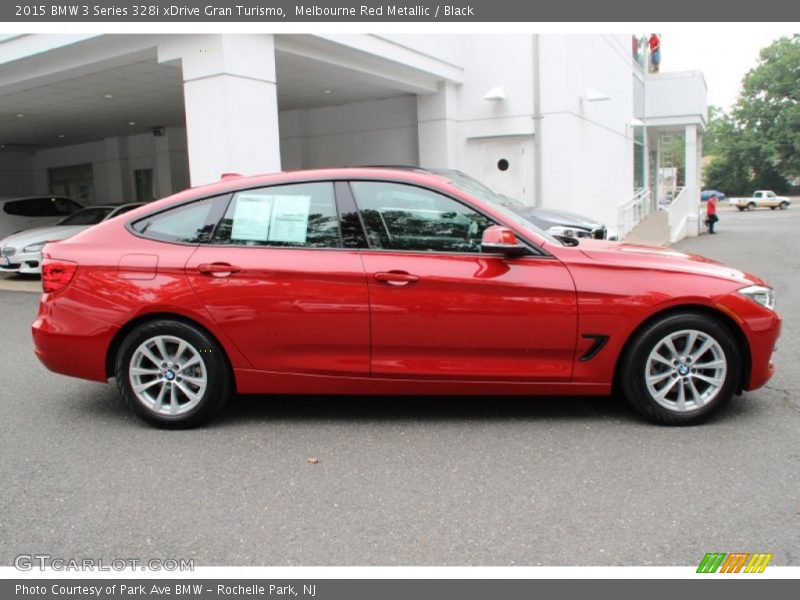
<point>145,190</point>
<point>507,167</point>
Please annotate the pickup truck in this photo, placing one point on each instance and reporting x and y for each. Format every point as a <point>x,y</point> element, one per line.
<point>761,199</point>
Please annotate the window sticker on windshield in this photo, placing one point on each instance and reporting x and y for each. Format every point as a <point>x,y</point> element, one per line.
<point>290,219</point>
<point>251,219</point>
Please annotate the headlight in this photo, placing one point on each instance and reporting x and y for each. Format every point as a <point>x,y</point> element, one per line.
<point>34,247</point>
<point>758,293</point>
<point>573,232</point>
<point>559,230</point>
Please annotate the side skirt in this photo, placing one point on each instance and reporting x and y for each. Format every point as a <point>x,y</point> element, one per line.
<point>250,381</point>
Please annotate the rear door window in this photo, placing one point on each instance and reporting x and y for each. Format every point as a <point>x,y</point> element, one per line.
<point>299,215</point>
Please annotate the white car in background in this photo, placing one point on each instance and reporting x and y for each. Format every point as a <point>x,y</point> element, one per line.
<point>22,252</point>
<point>761,199</point>
<point>17,214</point>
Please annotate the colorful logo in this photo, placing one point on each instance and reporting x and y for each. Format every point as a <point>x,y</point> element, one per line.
<point>734,562</point>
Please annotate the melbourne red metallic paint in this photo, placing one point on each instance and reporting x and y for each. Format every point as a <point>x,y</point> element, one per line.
<point>472,316</point>
<point>357,322</point>
<point>290,310</point>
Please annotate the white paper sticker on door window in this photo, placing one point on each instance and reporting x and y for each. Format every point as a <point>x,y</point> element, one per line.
<point>251,219</point>
<point>290,219</point>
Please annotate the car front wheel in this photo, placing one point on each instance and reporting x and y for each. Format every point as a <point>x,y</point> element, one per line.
<point>783,205</point>
<point>172,374</point>
<point>680,369</point>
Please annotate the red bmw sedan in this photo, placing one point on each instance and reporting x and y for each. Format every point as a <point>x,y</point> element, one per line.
<point>389,281</point>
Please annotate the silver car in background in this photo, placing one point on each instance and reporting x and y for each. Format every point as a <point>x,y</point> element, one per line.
<point>22,252</point>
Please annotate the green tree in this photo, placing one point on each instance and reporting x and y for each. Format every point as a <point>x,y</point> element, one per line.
<point>757,144</point>
<point>769,104</point>
<point>719,126</point>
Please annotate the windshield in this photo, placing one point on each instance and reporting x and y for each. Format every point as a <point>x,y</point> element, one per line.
<point>87,216</point>
<point>505,205</point>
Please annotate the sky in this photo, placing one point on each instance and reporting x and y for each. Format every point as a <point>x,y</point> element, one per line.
<point>723,56</point>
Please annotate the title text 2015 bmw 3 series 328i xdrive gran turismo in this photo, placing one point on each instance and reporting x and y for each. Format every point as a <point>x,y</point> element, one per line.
<point>383,281</point>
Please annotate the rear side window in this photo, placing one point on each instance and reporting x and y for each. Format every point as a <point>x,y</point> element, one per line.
<point>299,215</point>
<point>87,216</point>
<point>63,207</point>
<point>190,223</point>
<point>123,209</point>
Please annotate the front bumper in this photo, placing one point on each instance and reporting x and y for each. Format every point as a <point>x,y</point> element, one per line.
<point>762,328</point>
<point>24,263</point>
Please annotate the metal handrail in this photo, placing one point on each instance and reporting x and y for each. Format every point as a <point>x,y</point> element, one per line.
<point>678,212</point>
<point>633,211</point>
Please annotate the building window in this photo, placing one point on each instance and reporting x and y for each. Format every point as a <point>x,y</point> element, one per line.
<point>143,179</point>
<point>75,181</point>
<point>638,158</point>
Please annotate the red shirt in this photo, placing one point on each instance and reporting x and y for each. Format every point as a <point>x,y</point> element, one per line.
<point>711,206</point>
<point>654,42</point>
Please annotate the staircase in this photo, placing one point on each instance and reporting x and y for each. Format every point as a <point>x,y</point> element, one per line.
<point>653,230</point>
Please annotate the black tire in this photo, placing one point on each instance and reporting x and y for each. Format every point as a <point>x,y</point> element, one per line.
<point>631,376</point>
<point>772,207</point>
<point>218,378</point>
<point>783,205</point>
<point>751,206</point>
<point>741,208</point>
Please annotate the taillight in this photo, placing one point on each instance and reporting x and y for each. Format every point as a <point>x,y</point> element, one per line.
<point>57,273</point>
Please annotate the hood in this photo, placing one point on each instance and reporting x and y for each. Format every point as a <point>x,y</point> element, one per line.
<point>41,234</point>
<point>656,258</point>
<point>551,217</point>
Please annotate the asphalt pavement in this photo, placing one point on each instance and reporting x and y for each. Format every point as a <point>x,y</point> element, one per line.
<point>408,481</point>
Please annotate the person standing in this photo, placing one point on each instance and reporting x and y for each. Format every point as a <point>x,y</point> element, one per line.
<point>655,52</point>
<point>711,213</point>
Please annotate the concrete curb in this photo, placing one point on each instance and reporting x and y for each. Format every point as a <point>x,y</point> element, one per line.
<point>15,283</point>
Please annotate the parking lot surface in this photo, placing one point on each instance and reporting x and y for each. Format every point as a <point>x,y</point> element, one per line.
<point>408,481</point>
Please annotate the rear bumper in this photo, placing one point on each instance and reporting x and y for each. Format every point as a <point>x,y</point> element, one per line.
<point>69,343</point>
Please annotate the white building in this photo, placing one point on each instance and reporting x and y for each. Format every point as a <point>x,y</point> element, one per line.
<point>563,121</point>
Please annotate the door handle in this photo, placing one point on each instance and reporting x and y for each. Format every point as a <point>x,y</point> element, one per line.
<point>396,278</point>
<point>218,269</point>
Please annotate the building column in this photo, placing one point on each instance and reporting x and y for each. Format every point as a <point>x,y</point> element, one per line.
<point>163,170</point>
<point>692,177</point>
<point>231,103</point>
<point>115,192</point>
<point>437,128</point>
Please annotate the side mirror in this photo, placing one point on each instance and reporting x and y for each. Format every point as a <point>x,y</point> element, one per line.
<point>501,240</point>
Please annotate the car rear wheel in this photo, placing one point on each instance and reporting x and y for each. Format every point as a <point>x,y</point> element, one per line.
<point>751,206</point>
<point>741,208</point>
<point>783,205</point>
<point>172,374</point>
<point>680,369</point>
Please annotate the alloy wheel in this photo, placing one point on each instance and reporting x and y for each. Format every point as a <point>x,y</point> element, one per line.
<point>685,370</point>
<point>168,375</point>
